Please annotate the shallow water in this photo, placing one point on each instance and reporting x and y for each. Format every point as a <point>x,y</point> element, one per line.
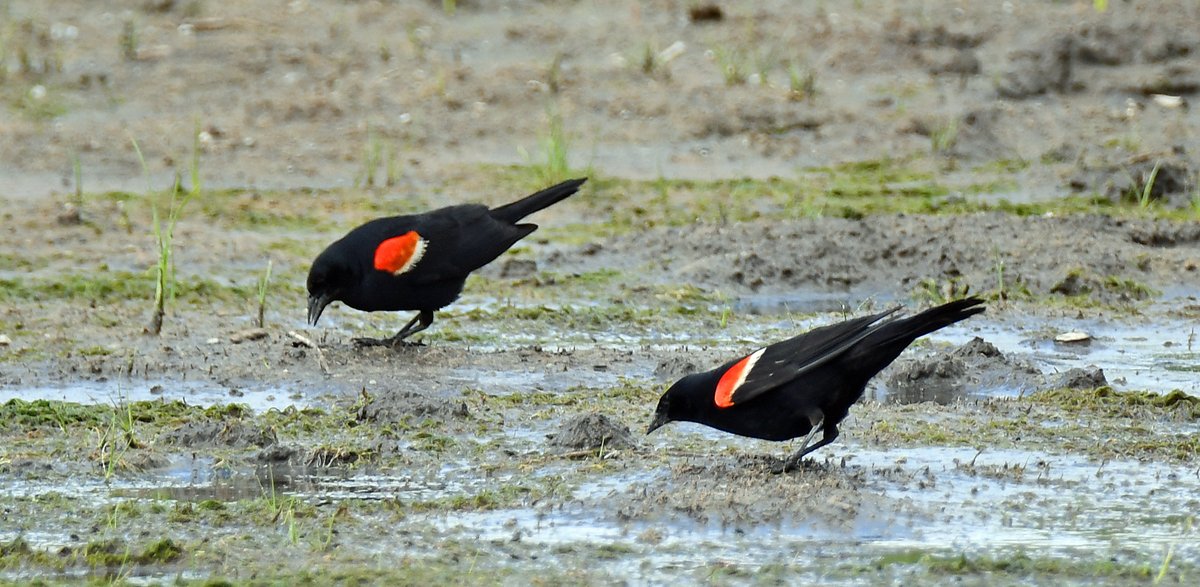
<point>197,393</point>
<point>978,503</point>
<point>1154,355</point>
<point>934,499</point>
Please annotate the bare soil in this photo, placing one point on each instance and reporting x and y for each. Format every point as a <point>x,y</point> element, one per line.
<point>755,171</point>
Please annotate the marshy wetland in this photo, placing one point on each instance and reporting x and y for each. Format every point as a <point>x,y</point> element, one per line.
<point>755,171</point>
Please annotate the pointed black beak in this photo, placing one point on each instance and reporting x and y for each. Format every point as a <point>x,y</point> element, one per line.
<point>316,305</point>
<point>660,419</point>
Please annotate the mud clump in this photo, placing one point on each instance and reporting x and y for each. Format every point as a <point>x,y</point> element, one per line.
<point>1074,284</point>
<point>743,490</point>
<point>897,254</point>
<point>220,434</point>
<point>27,467</point>
<point>324,456</point>
<point>976,137</point>
<point>1165,234</point>
<point>952,62</point>
<point>1168,180</point>
<point>675,367</point>
<point>592,431</point>
<point>518,269</point>
<point>1051,65</point>
<point>937,35</point>
<point>403,406</point>
<point>1109,290</point>
<point>1034,72</point>
<point>146,461</point>
<point>970,137</point>
<point>948,376</point>
<point>1091,377</point>
<point>285,460</point>
<point>276,454</point>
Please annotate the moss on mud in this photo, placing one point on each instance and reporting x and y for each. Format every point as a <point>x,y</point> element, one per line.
<point>1101,423</point>
<point>17,414</point>
<point>1107,402</point>
<point>1021,565</point>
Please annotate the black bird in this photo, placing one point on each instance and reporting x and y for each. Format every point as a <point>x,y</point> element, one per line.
<point>803,384</point>
<point>421,261</point>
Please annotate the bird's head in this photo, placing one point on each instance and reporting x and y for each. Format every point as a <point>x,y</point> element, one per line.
<point>669,406</point>
<point>328,278</point>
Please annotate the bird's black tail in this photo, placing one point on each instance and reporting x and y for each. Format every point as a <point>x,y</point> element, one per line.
<point>519,209</point>
<point>891,338</point>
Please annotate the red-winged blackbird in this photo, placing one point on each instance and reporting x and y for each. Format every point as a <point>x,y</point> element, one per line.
<point>419,262</point>
<point>802,384</point>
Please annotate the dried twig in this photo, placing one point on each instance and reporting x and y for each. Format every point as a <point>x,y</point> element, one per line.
<point>308,342</point>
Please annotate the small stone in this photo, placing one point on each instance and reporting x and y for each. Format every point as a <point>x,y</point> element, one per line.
<point>706,13</point>
<point>5,340</point>
<point>248,334</point>
<point>1167,101</point>
<point>1073,337</point>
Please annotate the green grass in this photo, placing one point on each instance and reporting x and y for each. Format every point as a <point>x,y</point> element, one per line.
<point>1144,198</point>
<point>129,40</point>
<point>164,232</point>
<point>77,175</point>
<point>109,286</point>
<point>849,190</point>
<point>378,152</point>
<point>802,83</point>
<point>39,102</point>
<point>944,136</point>
<point>263,284</point>
<point>552,164</point>
<point>733,64</point>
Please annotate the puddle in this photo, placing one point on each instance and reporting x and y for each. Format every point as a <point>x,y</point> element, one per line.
<point>934,499</point>
<point>200,394</point>
<point>1052,503</point>
<point>1151,356</point>
<point>973,503</point>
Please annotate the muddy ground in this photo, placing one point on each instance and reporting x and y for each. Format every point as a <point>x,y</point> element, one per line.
<point>755,171</point>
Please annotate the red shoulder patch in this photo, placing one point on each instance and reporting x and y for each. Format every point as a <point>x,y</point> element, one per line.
<point>399,254</point>
<point>732,379</point>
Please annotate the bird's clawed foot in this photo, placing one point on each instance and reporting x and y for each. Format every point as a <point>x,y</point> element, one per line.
<point>795,463</point>
<point>393,342</point>
<point>796,460</point>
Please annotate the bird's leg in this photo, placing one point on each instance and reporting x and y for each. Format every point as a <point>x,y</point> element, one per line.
<point>831,434</point>
<point>419,322</point>
<point>811,434</point>
<point>423,319</point>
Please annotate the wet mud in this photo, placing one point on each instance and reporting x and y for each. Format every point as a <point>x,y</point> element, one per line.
<point>756,171</point>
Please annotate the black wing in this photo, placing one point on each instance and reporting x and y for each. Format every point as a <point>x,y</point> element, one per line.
<point>786,360</point>
<point>458,240</point>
